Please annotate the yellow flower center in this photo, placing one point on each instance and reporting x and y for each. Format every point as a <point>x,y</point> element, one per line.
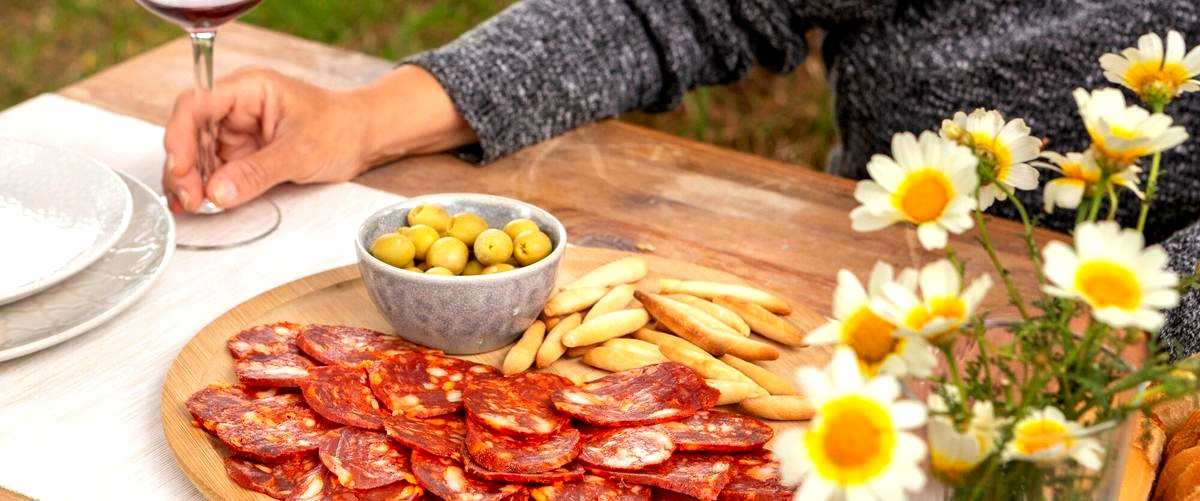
<point>923,195</point>
<point>1075,170</point>
<point>1145,76</point>
<point>950,469</point>
<point>996,150</point>
<point>854,441</point>
<point>1037,435</point>
<point>871,337</point>
<point>1105,283</point>
<point>949,307</point>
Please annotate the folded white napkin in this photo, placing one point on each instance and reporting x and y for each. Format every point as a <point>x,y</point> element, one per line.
<point>81,420</point>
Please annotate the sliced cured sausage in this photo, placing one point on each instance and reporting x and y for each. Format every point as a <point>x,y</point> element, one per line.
<point>757,479</point>
<point>627,448</point>
<point>362,459</point>
<point>565,473</point>
<point>518,404</point>
<point>340,394</point>
<point>422,384</point>
<point>316,485</point>
<point>278,481</point>
<point>591,488</point>
<point>273,428</point>
<point>719,431</point>
<point>399,491</point>
<point>698,475</point>
<point>440,436</point>
<point>446,479</point>
<point>645,395</point>
<point>502,453</point>
<point>270,339</point>
<point>284,370</point>
<point>219,404</point>
<point>320,485</point>
<point>339,344</point>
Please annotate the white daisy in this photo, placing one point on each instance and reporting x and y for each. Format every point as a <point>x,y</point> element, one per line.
<point>1154,74</point>
<point>930,183</point>
<point>1006,147</point>
<point>941,309</point>
<point>877,343</point>
<point>1123,133</point>
<point>1047,437</point>
<point>859,445</point>
<point>953,453</point>
<point>1079,172</point>
<point>1125,283</point>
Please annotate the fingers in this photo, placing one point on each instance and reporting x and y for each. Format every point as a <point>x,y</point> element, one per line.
<point>245,178</point>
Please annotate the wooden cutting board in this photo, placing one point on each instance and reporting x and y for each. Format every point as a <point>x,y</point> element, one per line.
<point>338,296</point>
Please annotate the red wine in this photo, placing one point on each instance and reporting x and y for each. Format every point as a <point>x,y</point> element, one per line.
<point>199,14</point>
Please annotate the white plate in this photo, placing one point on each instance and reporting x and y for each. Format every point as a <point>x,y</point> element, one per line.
<point>98,293</point>
<point>59,212</point>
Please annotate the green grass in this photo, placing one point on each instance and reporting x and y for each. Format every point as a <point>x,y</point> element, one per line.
<point>48,44</point>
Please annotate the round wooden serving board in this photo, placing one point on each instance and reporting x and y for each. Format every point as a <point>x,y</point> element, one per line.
<point>338,296</point>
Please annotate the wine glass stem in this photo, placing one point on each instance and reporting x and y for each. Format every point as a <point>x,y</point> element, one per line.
<point>206,154</point>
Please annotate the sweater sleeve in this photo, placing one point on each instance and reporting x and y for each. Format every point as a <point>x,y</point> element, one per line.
<point>1181,333</point>
<point>543,67</point>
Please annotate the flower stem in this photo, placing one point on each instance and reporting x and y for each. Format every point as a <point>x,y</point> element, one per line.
<point>947,349</point>
<point>1097,193</point>
<point>1029,242</point>
<point>1151,180</point>
<point>1014,296</point>
<point>1112,203</point>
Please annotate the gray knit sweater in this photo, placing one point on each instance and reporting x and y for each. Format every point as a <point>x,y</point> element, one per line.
<point>543,67</point>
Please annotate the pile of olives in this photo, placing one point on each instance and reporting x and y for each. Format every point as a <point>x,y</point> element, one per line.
<point>436,243</point>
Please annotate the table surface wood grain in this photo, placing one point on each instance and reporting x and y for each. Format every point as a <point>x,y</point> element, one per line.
<point>613,184</point>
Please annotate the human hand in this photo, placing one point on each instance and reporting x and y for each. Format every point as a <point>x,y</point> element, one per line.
<point>272,129</point>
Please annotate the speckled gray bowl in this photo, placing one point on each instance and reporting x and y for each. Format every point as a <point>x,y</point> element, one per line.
<point>460,315</point>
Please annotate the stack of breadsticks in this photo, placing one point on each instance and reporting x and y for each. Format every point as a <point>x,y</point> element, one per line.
<point>707,326</point>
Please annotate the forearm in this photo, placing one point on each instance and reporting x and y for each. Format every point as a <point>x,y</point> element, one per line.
<point>407,112</point>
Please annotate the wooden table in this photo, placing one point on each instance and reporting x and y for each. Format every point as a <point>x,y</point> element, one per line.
<point>613,184</point>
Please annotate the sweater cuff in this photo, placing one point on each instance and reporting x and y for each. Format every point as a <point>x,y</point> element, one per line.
<point>1181,333</point>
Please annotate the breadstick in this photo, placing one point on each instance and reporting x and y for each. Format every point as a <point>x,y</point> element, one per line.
<point>573,300</point>
<point>763,322</point>
<point>773,383</point>
<point>579,351</point>
<point>710,290</point>
<point>634,345</point>
<point>622,271</point>
<point>620,358</point>
<point>520,356</point>
<point>721,313</point>
<point>552,348</point>
<point>605,327</point>
<point>617,298</point>
<point>680,319</point>
<point>550,321</point>
<point>780,407</point>
<point>733,392</point>
<point>679,350</point>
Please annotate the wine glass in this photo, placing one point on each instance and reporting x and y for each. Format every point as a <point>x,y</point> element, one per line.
<point>246,223</point>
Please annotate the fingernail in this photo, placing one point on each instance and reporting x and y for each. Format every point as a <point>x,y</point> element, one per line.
<point>171,166</point>
<point>183,196</point>
<point>224,193</point>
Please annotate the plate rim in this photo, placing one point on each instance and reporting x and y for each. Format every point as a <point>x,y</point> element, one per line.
<point>116,309</point>
<point>83,259</point>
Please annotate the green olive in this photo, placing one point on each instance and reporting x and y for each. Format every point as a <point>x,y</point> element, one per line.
<point>516,227</point>
<point>531,247</point>
<point>394,249</point>
<point>466,226</point>
<point>422,237</point>
<point>424,266</point>
<point>493,246</point>
<point>413,269</point>
<point>473,267</point>
<point>432,215</point>
<point>498,268</point>
<point>449,253</point>
<point>438,270</point>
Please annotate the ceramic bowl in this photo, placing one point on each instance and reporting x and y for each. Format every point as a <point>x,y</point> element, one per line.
<point>460,314</point>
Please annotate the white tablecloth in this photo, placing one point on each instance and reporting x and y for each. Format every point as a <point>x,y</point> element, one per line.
<point>80,420</point>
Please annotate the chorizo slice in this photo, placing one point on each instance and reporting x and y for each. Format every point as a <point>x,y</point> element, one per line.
<point>646,395</point>
<point>719,431</point>
<point>342,345</point>
<point>701,476</point>
<point>283,370</point>
<point>340,394</point>
<point>757,479</point>
<point>501,453</point>
<point>362,459</point>
<point>278,481</point>
<point>440,436</point>
<point>518,404</point>
<point>565,473</point>
<point>627,448</point>
<point>421,384</point>
<point>269,339</point>
<point>591,488</point>
<point>444,478</point>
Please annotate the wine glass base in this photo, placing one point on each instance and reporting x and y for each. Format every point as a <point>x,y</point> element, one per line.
<point>227,228</point>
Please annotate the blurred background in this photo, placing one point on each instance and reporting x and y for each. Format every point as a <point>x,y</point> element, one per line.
<point>56,42</point>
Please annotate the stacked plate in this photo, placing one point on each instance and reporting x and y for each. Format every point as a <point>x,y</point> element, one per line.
<point>81,242</point>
